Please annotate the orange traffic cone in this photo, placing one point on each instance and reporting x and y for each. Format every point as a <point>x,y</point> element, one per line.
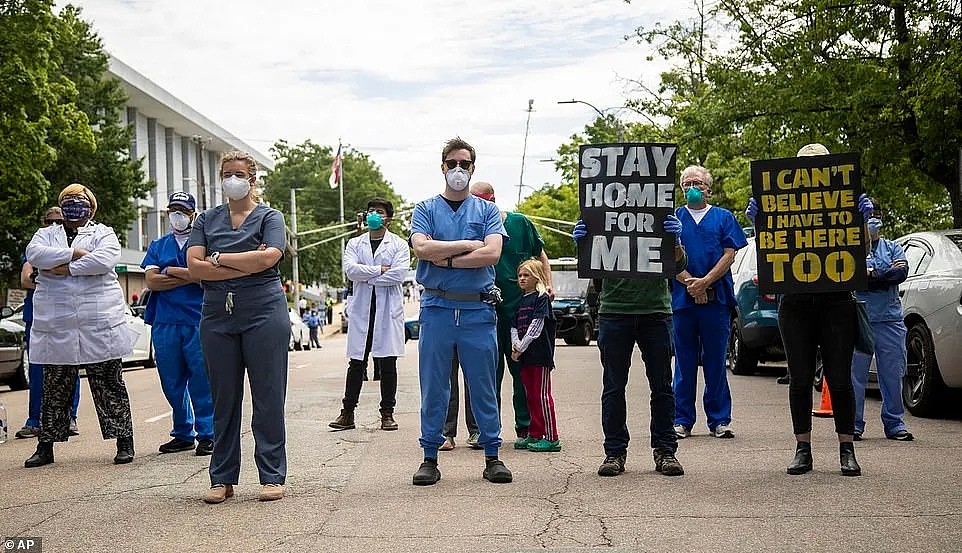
<point>825,408</point>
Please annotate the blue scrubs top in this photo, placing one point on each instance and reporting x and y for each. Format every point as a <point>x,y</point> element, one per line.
<point>474,220</point>
<point>178,306</point>
<point>705,243</point>
<point>28,301</point>
<point>264,225</point>
<point>882,298</point>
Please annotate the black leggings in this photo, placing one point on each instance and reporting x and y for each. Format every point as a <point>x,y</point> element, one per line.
<point>810,323</point>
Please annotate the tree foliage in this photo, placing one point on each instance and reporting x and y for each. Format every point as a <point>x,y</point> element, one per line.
<point>307,167</point>
<point>880,77</point>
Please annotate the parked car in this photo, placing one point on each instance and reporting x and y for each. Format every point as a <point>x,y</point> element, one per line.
<point>300,334</point>
<point>412,329</point>
<point>575,303</point>
<point>754,333</point>
<point>14,368</point>
<point>143,354</point>
<point>932,304</point>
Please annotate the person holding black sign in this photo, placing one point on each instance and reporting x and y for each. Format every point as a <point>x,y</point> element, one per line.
<point>825,323</point>
<point>637,310</point>
<point>701,299</point>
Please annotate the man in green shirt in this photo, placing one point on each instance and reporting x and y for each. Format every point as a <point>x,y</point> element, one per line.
<point>637,311</point>
<point>523,243</point>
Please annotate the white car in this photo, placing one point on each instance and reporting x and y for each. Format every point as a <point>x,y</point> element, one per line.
<point>300,335</point>
<point>143,349</point>
<point>932,304</point>
<point>14,368</point>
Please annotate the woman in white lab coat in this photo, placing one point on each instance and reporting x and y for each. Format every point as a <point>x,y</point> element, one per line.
<point>376,263</point>
<point>79,323</point>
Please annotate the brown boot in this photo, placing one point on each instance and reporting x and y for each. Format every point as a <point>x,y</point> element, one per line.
<point>387,421</point>
<point>344,421</point>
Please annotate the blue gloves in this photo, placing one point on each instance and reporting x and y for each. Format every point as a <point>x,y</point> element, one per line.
<point>673,225</point>
<point>752,210</point>
<point>865,205</point>
<point>580,231</point>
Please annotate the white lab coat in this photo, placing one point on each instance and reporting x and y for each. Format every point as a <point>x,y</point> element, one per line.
<point>78,319</point>
<point>364,270</point>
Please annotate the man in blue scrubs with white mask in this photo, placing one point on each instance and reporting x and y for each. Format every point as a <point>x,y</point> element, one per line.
<point>173,311</point>
<point>457,238</point>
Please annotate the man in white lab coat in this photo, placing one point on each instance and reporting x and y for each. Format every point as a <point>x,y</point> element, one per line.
<point>376,263</point>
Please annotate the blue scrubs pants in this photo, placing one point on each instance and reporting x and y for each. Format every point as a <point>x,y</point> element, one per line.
<point>252,336</point>
<point>474,333</point>
<point>890,360</point>
<point>35,373</point>
<point>183,378</point>
<point>705,328</point>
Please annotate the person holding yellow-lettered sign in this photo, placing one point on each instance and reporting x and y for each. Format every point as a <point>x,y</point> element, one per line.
<point>809,214</point>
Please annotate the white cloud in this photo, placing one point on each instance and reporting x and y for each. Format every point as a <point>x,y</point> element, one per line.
<point>393,79</point>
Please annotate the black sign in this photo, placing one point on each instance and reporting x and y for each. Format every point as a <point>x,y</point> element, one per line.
<point>625,192</point>
<point>809,233</point>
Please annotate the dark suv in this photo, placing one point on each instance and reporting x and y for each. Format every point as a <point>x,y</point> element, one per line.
<point>754,325</point>
<point>575,304</point>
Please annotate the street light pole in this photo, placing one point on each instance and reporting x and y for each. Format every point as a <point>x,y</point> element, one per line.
<point>524,149</point>
<point>621,136</point>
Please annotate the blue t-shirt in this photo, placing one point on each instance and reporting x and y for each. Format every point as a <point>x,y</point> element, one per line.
<point>28,301</point>
<point>705,243</point>
<point>475,219</point>
<point>540,352</point>
<point>264,225</point>
<point>882,297</point>
<point>177,306</point>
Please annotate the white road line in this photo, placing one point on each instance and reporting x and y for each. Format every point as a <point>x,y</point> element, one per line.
<point>159,417</point>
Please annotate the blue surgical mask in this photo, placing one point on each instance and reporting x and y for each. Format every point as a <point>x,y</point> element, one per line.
<point>694,195</point>
<point>75,210</point>
<point>874,226</point>
<point>374,221</point>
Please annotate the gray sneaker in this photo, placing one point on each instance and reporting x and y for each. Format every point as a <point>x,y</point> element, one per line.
<point>682,431</point>
<point>473,440</point>
<point>722,431</point>
<point>73,430</point>
<point>28,432</point>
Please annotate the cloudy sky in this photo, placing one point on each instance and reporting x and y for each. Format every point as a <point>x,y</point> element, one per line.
<point>393,79</point>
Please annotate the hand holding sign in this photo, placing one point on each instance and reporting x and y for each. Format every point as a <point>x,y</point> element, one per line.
<point>865,205</point>
<point>580,231</point>
<point>673,225</point>
<point>752,210</point>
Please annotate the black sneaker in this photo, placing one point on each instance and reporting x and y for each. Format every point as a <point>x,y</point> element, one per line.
<point>667,464</point>
<point>496,472</point>
<point>427,474</point>
<point>613,465</point>
<point>204,447</point>
<point>176,446</point>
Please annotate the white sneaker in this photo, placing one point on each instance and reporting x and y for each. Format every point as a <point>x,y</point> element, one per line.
<point>723,431</point>
<point>682,432</point>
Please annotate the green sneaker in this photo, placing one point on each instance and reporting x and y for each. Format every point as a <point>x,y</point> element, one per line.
<point>522,443</point>
<point>544,445</point>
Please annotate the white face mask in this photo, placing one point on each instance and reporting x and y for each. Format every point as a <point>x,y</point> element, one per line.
<point>179,221</point>
<point>457,179</point>
<point>235,187</point>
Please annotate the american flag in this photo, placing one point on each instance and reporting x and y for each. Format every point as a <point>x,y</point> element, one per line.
<point>335,179</point>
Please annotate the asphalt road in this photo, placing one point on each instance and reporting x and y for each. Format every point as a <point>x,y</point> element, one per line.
<point>351,491</point>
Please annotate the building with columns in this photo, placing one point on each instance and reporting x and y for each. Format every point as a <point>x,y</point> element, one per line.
<point>179,149</point>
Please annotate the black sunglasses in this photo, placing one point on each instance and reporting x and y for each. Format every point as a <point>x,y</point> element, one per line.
<point>49,222</point>
<point>464,163</point>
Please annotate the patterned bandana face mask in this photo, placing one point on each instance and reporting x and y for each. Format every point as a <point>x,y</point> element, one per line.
<point>75,210</point>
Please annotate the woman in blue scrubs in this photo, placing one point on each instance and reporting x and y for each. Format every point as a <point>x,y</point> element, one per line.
<point>234,250</point>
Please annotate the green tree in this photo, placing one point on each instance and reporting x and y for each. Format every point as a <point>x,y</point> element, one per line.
<point>107,169</point>
<point>881,77</point>
<point>307,167</point>
<point>37,110</point>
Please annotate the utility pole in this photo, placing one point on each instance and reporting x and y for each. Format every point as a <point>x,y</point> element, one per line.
<point>201,186</point>
<point>294,262</point>
<point>524,149</point>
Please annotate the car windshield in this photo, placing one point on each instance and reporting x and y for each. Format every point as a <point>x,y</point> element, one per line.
<point>568,285</point>
<point>955,239</point>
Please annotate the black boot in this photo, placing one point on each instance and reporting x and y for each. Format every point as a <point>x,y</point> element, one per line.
<point>802,462</point>
<point>125,450</point>
<point>43,456</point>
<point>846,456</point>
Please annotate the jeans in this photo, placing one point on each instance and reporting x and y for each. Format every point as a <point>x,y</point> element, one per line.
<point>617,336</point>
<point>824,322</point>
<point>890,360</point>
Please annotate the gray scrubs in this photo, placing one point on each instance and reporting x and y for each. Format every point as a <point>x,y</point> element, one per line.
<point>245,324</point>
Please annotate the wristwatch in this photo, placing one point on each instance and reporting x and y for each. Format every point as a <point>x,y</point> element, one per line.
<point>215,259</point>
<point>450,263</point>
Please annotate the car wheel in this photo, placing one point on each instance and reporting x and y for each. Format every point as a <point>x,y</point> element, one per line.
<point>740,359</point>
<point>922,386</point>
<point>20,380</point>
<point>582,334</point>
